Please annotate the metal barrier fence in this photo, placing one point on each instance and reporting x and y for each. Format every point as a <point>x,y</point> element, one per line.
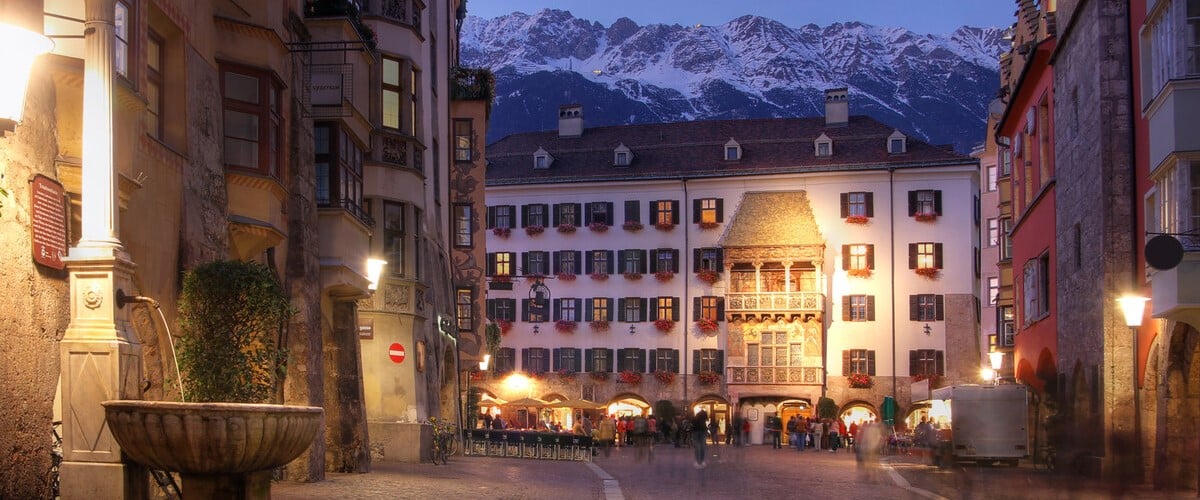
<point>523,444</point>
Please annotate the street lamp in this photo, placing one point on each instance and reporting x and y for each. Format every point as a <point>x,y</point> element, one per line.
<point>996,358</point>
<point>1133,308</point>
<point>21,48</point>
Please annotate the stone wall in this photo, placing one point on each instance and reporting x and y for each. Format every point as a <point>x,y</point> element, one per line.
<point>1094,167</point>
<point>962,339</point>
<point>35,309</point>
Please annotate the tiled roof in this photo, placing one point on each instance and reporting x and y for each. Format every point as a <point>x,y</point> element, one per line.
<point>778,218</point>
<point>696,149</point>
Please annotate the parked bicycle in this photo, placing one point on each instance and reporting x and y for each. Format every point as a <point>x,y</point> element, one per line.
<point>445,440</point>
<point>56,456</point>
<point>1045,458</point>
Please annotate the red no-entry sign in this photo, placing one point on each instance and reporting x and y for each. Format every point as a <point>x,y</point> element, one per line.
<point>396,352</point>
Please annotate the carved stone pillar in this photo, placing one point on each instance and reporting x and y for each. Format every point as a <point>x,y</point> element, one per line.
<point>100,357</point>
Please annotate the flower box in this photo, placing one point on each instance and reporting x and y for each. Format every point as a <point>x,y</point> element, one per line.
<point>665,377</point>
<point>632,276</point>
<point>534,278</point>
<point>566,375</point>
<point>859,273</point>
<point>664,276</point>
<point>664,325</point>
<point>860,381</point>
<point>707,325</point>
<point>501,278</point>
<point>925,216</point>
<point>927,272</point>
<point>534,230</point>
<point>505,325</point>
<point>664,226</point>
<point>598,227</point>
<point>502,232</point>
<point>566,228</point>
<point>599,376</point>
<point>709,225</point>
<point>599,276</point>
<point>632,225</point>
<point>565,277</point>
<point>708,377</point>
<point>857,219</point>
<point>599,326</point>
<point>564,326</point>
<point>628,377</point>
<point>708,276</point>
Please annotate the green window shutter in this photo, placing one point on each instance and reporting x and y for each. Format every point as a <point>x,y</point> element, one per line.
<point>844,198</point>
<point>675,212</point>
<point>696,206</point>
<point>937,255</point>
<point>940,360</point>
<point>871,363</point>
<point>632,211</point>
<point>912,203</point>
<point>912,255</point>
<point>695,361</point>
<point>912,308</point>
<point>588,363</point>
<point>720,210</point>
<point>937,202</point>
<point>870,199</point>
<point>939,306</point>
<point>845,363</point>
<point>870,308</point>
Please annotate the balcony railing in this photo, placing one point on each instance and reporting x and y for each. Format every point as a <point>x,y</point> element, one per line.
<point>775,302</point>
<point>349,9</point>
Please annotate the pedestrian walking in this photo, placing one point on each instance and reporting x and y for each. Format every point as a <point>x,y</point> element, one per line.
<point>699,431</point>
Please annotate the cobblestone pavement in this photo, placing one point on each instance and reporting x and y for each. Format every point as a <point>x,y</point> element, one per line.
<point>731,472</point>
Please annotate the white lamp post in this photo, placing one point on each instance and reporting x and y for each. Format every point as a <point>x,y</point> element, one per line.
<point>1133,308</point>
<point>996,358</point>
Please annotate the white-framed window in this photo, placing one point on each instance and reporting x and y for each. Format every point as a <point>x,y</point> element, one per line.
<point>993,228</point>
<point>463,228</point>
<point>731,152</point>
<point>122,20</point>
<point>1035,289</point>
<point>860,257</point>
<point>990,172</point>
<point>993,290</point>
<point>568,309</point>
<point>824,148</point>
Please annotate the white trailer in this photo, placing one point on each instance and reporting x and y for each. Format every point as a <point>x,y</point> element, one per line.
<point>982,423</point>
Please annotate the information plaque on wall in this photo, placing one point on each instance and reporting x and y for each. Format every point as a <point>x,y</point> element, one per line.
<point>49,222</point>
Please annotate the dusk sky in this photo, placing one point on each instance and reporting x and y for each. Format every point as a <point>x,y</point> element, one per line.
<point>923,17</point>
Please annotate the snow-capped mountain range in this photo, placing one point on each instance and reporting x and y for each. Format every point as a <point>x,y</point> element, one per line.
<point>934,86</point>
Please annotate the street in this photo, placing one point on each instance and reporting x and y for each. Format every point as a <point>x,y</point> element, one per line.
<point>731,472</point>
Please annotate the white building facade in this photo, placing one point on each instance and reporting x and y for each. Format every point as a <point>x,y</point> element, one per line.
<point>794,259</point>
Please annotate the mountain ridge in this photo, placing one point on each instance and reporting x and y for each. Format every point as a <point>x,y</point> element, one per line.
<point>934,86</point>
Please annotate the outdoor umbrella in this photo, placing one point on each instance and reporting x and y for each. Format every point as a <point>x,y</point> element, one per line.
<point>578,404</point>
<point>487,400</point>
<point>526,403</point>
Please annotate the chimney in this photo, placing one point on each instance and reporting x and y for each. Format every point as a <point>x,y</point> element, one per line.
<point>837,107</point>
<point>570,120</point>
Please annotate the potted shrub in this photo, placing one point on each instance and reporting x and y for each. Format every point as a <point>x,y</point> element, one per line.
<point>565,276</point>
<point>566,228</point>
<point>927,272</point>
<point>707,325</point>
<point>630,377</point>
<point>599,276</point>
<point>534,230</point>
<point>857,219</point>
<point>860,381</point>
<point>925,216</point>
<point>632,276</point>
<point>664,276</point>
<point>599,326</point>
<point>632,225</point>
<point>708,377</point>
<point>664,325</point>
<point>224,440</point>
<point>502,232</point>
<point>598,227</point>
<point>708,276</point>
<point>565,326</point>
<point>664,377</point>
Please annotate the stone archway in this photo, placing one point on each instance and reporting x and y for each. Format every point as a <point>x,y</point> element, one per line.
<point>1177,454</point>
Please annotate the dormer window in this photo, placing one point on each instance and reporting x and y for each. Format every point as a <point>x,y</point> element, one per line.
<point>733,150</point>
<point>622,157</point>
<point>897,143</point>
<point>542,159</point>
<point>823,146</point>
